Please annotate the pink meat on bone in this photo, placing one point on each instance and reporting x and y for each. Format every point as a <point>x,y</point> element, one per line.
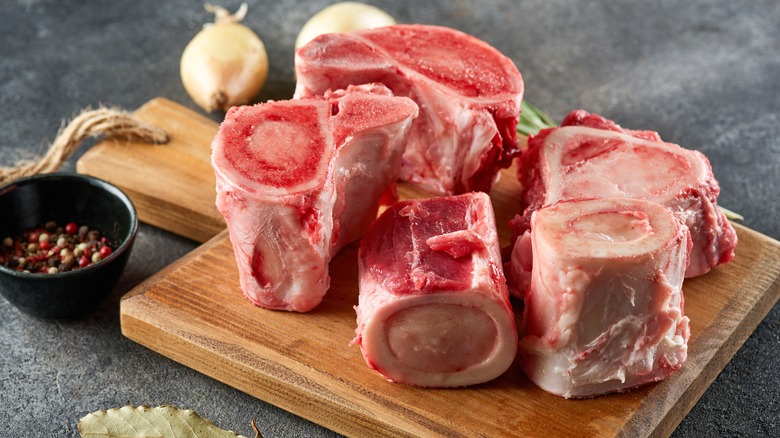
<point>604,311</point>
<point>469,97</point>
<point>433,306</point>
<point>589,156</point>
<point>297,180</point>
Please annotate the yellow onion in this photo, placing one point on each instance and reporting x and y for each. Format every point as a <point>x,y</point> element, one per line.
<point>225,64</point>
<point>343,17</point>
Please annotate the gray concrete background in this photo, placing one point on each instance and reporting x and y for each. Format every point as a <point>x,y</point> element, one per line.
<point>705,74</point>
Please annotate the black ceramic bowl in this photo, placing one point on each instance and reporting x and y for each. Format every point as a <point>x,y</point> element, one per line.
<point>63,198</point>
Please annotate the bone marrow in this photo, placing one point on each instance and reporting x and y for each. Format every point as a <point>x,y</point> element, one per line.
<point>433,308</point>
<point>297,180</point>
<point>589,156</point>
<point>469,96</point>
<point>604,311</point>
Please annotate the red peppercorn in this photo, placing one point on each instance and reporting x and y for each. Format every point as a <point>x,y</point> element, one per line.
<point>71,228</point>
<point>41,250</point>
<point>105,251</point>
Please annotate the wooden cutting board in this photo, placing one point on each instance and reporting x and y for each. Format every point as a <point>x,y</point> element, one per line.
<point>171,185</point>
<point>194,313</point>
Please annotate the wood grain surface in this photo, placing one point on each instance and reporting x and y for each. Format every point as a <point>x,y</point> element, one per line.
<point>171,185</point>
<point>193,312</point>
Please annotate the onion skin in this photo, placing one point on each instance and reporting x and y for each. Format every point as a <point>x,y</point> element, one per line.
<point>224,65</point>
<point>342,17</point>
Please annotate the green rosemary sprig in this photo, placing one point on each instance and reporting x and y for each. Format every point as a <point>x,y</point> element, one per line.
<point>730,215</point>
<point>533,120</point>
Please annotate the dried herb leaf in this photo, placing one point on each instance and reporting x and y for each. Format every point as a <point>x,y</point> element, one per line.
<point>147,422</point>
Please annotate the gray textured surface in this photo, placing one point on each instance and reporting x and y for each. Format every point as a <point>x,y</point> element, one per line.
<point>705,74</point>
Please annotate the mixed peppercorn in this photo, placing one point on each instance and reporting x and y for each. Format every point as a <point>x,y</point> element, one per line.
<point>52,248</point>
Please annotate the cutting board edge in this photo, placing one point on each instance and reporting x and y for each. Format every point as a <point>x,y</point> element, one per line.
<point>137,329</point>
<point>717,358</point>
<point>710,370</point>
<point>643,423</point>
<point>171,105</point>
<point>136,309</point>
<point>119,163</point>
<point>192,224</point>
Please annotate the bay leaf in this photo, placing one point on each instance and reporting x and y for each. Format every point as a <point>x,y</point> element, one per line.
<point>147,422</point>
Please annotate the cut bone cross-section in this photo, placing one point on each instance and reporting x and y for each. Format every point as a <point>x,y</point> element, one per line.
<point>297,180</point>
<point>469,97</point>
<point>589,156</point>
<point>604,312</point>
<point>433,306</point>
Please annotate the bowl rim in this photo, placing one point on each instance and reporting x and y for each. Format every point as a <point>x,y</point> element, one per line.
<point>95,182</point>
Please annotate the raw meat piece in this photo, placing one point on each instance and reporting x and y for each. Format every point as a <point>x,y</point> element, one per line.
<point>469,96</point>
<point>433,306</point>
<point>590,156</point>
<point>297,180</point>
<point>605,309</point>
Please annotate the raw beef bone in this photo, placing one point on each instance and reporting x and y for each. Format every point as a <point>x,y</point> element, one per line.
<point>589,156</point>
<point>605,309</point>
<point>433,306</point>
<point>297,180</point>
<point>469,96</point>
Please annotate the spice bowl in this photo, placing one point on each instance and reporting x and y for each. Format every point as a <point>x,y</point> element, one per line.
<point>64,200</point>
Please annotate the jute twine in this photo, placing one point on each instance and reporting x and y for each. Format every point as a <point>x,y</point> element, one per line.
<point>111,122</point>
